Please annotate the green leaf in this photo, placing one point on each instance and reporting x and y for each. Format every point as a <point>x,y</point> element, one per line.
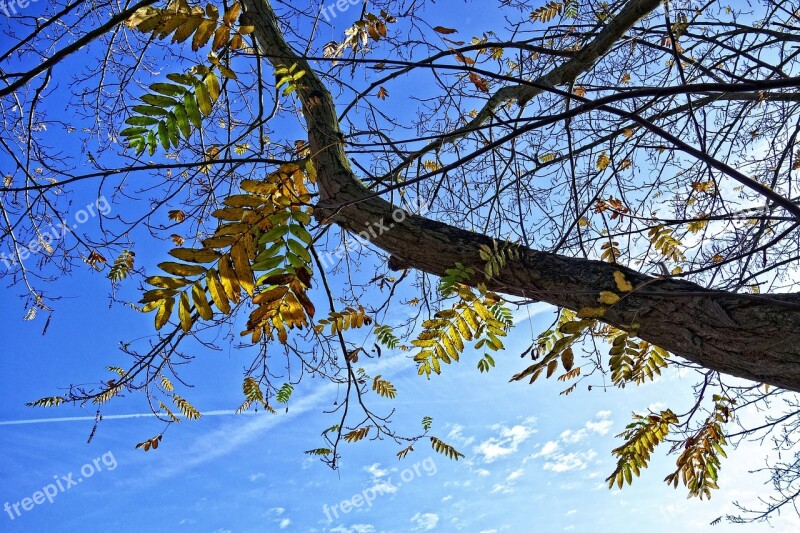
<point>183,79</point>
<point>141,121</point>
<point>284,393</point>
<point>274,234</point>
<point>183,121</point>
<point>149,110</point>
<point>192,111</point>
<point>130,132</point>
<point>163,135</point>
<point>151,142</point>
<point>159,100</point>
<point>300,250</point>
<point>301,233</point>
<point>172,130</point>
<point>168,89</point>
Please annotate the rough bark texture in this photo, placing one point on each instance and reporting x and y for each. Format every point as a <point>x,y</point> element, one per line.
<point>754,337</point>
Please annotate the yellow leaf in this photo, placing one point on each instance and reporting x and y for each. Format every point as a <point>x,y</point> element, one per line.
<point>229,280</point>
<point>703,186</point>
<point>697,225</point>
<point>241,263</point>
<point>591,312</point>
<point>201,302</point>
<point>623,285</point>
<point>573,327</point>
<point>212,83</point>
<point>217,292</point>
<point>608,298</point>
<point>180,269</point>
<point>164,312</point>
<point>185,312</point>
<point>603,161</point>
<point>203,99</point>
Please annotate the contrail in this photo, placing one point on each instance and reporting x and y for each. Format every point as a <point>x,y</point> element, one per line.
<point>109,417</point>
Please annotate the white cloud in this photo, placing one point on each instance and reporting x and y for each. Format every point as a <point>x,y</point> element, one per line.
<point>549,448</point>
<point>355,528</point>
<point>277,510</point>
<point>425,521</point>
<point>508,486</point>
<point>375,471</point>
<point>382,487</point>
<point>571,512</point>
<point>447,498</point>
<point>256,477</point>
<point>601,428</point>
<point>284,523</point>
<point>502,488</point>
<point>457,436</point>
<point>556,453</point>
<point>515,475</point>
<point>564,462</point>
<point>571,436</point>
<point>482,472</point>
<point>378,484</point>
<point>506,443</point>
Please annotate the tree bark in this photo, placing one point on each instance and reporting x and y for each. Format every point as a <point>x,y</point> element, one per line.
<point>749,336</point>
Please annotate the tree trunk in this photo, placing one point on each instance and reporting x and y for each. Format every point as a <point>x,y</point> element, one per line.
<point>749,336</point>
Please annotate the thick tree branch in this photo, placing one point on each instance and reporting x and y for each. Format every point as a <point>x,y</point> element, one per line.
<point>757,338</point>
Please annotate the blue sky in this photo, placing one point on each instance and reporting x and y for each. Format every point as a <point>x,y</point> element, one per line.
<point>533,458</point>
<point>531,455</point>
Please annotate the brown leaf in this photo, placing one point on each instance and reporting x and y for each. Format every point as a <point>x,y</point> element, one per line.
<point>479,82</point>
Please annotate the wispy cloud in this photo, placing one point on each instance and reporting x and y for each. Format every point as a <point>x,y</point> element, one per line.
<point>230,412</point>
<point>235,435</point>
<point>507,486</point>
<point>507,442</point>
<point>425,521</point>
<point>564,462</point>
<point>355,528</point>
